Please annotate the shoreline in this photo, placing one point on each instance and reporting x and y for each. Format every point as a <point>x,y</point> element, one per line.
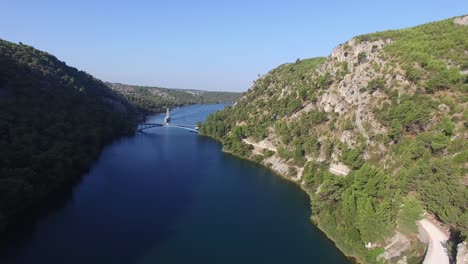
<point>38,208</point>
<point>313,221</point>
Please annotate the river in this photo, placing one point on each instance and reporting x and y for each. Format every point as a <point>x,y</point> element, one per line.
<point>169,195</point>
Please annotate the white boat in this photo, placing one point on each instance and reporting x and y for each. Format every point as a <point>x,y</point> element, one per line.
<point>167,119</point>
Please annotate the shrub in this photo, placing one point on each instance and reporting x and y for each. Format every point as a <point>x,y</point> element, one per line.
<point>362,57</point>
<point>352,157</point>
<point>376,84</point>
<point>410,211</point>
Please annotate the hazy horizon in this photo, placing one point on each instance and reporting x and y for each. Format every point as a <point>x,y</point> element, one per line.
<point>205,45</point>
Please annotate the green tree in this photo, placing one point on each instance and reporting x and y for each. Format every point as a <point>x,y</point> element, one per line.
<point>395,130</point>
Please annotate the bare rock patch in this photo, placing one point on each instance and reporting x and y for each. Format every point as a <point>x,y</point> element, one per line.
<point>461,21</point>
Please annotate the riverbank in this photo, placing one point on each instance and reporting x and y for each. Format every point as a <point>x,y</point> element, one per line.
<point>169,196</point>
<point>46,200</point>
<point>436,254</point>
<point>313,220</point>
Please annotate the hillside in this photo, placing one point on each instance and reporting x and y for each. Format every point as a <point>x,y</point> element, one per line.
<point>156,99</point>
<point>376,133</point>
<point>54,121</point>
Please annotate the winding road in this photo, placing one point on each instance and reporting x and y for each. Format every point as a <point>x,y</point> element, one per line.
<point>436,251</point>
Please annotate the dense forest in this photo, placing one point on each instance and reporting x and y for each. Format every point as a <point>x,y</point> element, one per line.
<point>390,107</point>
<point>156,99</point>
<point>54,120</point>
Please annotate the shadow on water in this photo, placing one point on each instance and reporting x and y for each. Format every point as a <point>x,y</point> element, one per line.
<point>166,195</point>
<point>173,208</point>
<point>23,228</point>
<point>109,219</point>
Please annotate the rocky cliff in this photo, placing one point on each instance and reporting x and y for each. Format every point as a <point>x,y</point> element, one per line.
<point>376,134</point>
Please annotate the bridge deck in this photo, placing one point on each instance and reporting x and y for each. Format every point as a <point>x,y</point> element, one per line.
<point>143,126</point>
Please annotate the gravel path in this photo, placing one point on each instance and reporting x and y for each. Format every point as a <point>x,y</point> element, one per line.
<point>436,251</point>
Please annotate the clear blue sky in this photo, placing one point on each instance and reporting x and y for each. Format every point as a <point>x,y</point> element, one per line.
<point>213,45</point>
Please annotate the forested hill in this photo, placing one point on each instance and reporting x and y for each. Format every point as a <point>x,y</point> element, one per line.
<point>156,99</point>
<point>54,120</point>
<point>376,133</point>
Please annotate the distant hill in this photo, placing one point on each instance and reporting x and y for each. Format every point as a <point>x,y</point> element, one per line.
<point>376,133</point>
<point>156,99</point>
<point>54,121</point>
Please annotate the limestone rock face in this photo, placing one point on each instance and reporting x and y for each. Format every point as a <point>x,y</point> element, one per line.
<point>362,60</point>
<point>462,253</point>
<point>461,20</point>
<point>363,104</point>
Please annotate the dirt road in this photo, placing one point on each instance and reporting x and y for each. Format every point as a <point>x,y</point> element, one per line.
<point>436,251</point>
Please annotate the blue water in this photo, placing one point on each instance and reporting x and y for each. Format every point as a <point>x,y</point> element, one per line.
<point>171,196</point>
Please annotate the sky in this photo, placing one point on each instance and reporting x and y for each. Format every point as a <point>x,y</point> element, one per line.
<point>203,44</point>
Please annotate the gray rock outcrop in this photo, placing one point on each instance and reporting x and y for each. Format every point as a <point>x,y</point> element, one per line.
<point>462,253</point>
<point>461,20</point>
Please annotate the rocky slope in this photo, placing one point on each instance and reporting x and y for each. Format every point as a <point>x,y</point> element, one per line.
<point>376,133</point>
<point>462,253</point>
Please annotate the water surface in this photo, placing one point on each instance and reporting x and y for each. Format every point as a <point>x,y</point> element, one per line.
<point>171,196</point>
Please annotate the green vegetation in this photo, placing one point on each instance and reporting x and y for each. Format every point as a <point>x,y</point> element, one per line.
<point>412,113</point>
<point>436,178</point>
<point>416,163</point>
<point>221,124</point>
<point>54,121</point>
<point>361,57</point>
<point>357,207</point>
<point>351,157</point>
<point>376,84</point>
<point>410,212</point>
<point>156,99</point>
<point>424,52</point>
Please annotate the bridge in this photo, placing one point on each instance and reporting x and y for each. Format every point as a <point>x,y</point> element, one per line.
<point>167,119</point>
<point>143,126</point>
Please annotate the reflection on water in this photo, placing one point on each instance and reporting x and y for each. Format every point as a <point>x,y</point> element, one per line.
<point>171,196</point>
